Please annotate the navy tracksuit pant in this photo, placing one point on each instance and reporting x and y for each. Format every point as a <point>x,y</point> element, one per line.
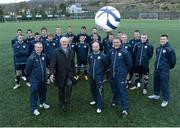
<point>38,90</point>
<point>96,86</point>
<point>161,83</point>
<point>119,91</point>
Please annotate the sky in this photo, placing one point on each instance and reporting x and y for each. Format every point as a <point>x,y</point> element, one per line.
<point>11,1</point>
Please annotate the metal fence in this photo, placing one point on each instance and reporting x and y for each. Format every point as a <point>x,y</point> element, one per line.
<point>91,15</point>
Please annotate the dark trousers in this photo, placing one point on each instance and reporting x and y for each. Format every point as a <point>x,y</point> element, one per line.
<point>119,91</point>
<point>96,86</point>
<point>82,64</point>
<point>64,93</point>
<point>161,83</point>
<point>38,90</point>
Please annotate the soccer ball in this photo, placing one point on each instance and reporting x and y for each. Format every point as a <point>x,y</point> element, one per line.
<point>107,18</point>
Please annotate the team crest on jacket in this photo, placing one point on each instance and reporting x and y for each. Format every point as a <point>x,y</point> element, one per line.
<point>145,46</point>
<point>126,47</point>
<point>24,46</point>
<point>91,57</point>
<point>119,54</point>
<point>54,44</point>
<point>85,46</point>
<point>99,57</point>
<point>43,58</point>
<point>164,51</point>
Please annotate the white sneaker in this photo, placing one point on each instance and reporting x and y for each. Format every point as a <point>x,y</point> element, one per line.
<point>23,78</point>
<point>98,110</point>
<point>16,86</point>
<point>164,103</point>
<point>155,97</point>
<point>36,112</point>
<point>138,85</point>
<point>45,106</point>
<point>144,91</point>
<point>133,88</point>
<point>124,113</point>
<point>92,103</point>
<point>48,81</point>
<point>28,84</point>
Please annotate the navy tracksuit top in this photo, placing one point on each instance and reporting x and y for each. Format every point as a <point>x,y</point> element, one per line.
<point>165,58</point>
<point>21,53</point>
<point>97,65</point>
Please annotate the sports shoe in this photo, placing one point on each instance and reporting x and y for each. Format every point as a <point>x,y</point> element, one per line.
<point>133,88</point>
<point>85,77</point>
<point>144,91</point>
<point>164,103</point>
<point>155,97</point>
<point>77,77</point>
<point>113,104</point>
<point>36,112</point>
<point>16,86</point>
<point>98,110</point>
<point>92,103</point>
<point>28,84</point>
<point>124,113</point>
<point>138,85</point>
<point>45,106</point>
<point>23,78</point>
<point>48,81</point>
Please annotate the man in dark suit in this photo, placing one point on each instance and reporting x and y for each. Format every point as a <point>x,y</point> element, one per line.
<point>62,70</point>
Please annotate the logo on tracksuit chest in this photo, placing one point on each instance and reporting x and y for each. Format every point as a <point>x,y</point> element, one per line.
<point>119,54</point>
<point>145,46</point>
<point>164,51</point>
<point>43,58</point>
<point>98,57</point>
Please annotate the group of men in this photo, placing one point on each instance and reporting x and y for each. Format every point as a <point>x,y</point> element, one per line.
<point>45,58</point>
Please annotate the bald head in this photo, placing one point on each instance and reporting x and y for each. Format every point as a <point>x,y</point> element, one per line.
<point>95,47</point>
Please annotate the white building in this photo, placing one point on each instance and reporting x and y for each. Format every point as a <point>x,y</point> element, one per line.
<point>75,8</point>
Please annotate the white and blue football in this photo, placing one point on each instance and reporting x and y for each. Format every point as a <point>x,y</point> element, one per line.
<point>107,18</point>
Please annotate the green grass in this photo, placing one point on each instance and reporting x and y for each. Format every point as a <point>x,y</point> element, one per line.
<point>15,105</point>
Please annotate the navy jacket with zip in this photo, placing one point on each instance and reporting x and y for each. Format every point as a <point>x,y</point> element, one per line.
<point>97,65</point>
<point>127,46</point>
<point>21,53</point>
<point>107,46</point>
<point>143,52</point>
<point>49,47</point>
<point>57,38</point>
<point>120,62</point>
<point>165,58</point>
<point>36,68</point>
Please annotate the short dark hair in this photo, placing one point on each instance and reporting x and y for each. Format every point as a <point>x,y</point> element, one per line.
<point>83,27</point>
<point>144,34</point>
<point>19,30</point>
<point>164,35</point>
<point>50,34</point>
<point>20,35</point>
<point>36,33</point>
<point>43,28</point>
<point>120,32</point>
<point>29,30</point>
<point>137,31</point>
